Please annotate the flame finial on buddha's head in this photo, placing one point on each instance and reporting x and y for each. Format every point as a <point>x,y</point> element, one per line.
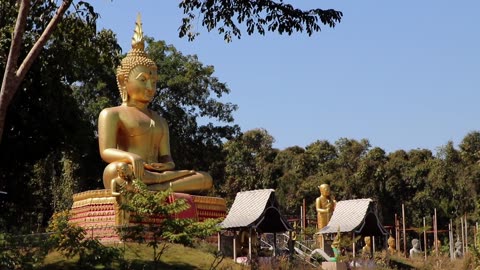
<point>135,57</point>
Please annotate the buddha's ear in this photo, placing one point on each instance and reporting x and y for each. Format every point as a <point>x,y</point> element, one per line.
<point>122,80</point>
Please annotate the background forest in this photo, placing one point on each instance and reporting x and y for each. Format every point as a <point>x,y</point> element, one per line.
<point>49,148</point>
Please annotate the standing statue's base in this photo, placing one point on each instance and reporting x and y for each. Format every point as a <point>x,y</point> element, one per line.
<point>98,212</point>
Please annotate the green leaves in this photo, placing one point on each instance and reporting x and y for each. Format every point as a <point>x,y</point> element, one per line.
<point>275,16</point>
<point>66,238</point>
<point>144,205</point>
<point>249,162</point>
<point>470,147</point>
<point>71,241</point>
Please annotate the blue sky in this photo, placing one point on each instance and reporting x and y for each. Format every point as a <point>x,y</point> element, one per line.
<point>402,74</point>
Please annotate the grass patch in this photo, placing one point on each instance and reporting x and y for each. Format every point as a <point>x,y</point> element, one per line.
<point>139,256</point>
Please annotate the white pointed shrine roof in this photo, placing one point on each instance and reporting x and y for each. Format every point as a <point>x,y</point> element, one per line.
<point>356,216</point>
<point>258,209</point>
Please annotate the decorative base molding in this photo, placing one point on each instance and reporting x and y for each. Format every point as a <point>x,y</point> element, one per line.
<point>98,212</point>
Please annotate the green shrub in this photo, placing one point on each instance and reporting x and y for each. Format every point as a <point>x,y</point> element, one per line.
<point>70,241</point>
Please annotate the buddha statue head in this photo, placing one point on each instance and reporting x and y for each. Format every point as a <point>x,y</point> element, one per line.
<point>324,190</point>
<point>391,242</point>
<point>135,57</point>
<point>367,240</point>
<point>416,244</point>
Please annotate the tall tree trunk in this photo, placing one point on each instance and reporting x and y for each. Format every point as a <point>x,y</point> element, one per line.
<point>10,81</point>
<point>12,76</point>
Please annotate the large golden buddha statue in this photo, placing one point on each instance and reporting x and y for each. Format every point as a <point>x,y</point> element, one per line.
<point>135,140</point>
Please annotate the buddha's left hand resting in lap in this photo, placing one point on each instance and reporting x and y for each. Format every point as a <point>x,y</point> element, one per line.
<point>135,140</point>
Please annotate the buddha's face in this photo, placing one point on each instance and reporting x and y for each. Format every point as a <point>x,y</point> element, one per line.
<point>325,190</point>
<point>391,242</point>
<point>367,240</point>
<point>416,243</point>
<point>141,84</point>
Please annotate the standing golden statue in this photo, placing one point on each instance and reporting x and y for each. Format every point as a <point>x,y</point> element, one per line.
<point>391,245</point>
<point>325,204</point>
<point>135,140</point>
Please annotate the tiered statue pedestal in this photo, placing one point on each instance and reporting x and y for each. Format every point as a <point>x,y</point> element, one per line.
<point>98,212</point>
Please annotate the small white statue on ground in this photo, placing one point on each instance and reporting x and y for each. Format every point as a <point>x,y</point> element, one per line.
<point>458,248</point>
<point>416,249</point>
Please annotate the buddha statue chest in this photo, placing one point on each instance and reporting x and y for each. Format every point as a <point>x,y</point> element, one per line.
<point>140,133</point>
<point>326,203</point>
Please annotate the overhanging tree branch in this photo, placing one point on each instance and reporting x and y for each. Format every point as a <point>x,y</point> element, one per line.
<point>12,77</point>
<point>9,76</point>
<point>275,15</point>
<point>37,47</point>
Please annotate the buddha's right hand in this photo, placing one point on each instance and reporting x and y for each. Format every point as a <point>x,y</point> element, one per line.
<point>159,167</point>
<point>137,164</point>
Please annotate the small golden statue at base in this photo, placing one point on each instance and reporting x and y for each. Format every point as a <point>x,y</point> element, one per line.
<point>391,245</point>
<point>367,250</point>
<point>135,140</point>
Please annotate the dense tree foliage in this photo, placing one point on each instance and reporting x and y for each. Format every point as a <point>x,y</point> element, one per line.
<point>418,179</point>
<point>48,139</point>
<point>249,162</point>
<point>27,31</point>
